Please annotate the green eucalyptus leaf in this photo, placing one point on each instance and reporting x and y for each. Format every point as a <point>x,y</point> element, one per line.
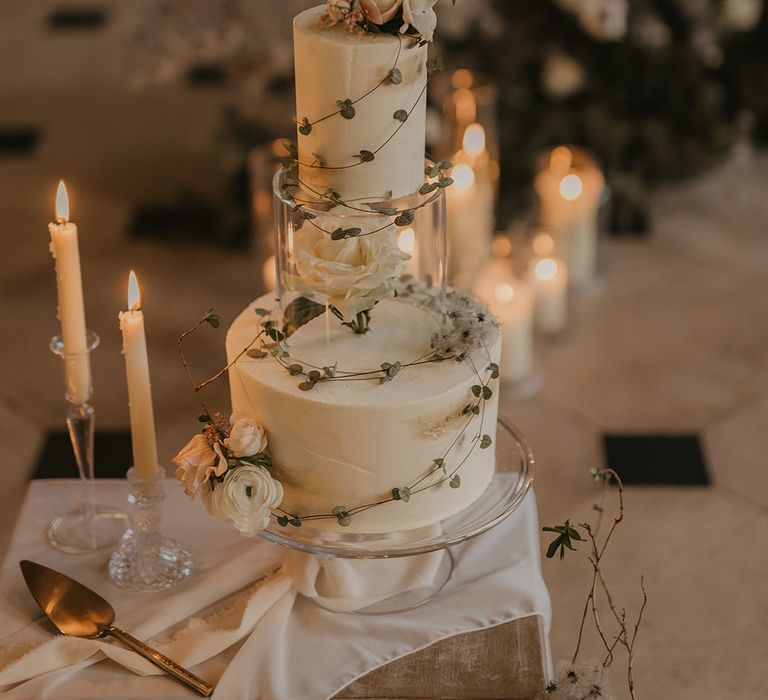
<point>476,390</point>
<point>300,312</point>
<point>366,156</point>
<point>455,481</point>
<point>256,354</point>
<point>487,392</point>
<point>485,441</point>
<point>305,128</point>
<point>406,218</point>
<point>395,76</point>
<point>282,520</point>
<point>307,385</point>
<point>401,115</point>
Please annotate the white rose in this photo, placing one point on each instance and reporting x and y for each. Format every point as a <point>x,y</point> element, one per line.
<point>246,438</point>
<point>245,498</point>
<point>562,76</point>
<point>420,15</point>
<point>380,11</point>
<point>353,273</point>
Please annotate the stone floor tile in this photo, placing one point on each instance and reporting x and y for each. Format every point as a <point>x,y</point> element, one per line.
<point>706,624</point>
<point>672,342</point>
<point>737,449</point>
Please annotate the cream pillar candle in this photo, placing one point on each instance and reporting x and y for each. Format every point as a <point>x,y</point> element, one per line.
<point>569,186</point>
<point>64,248</point>
<point>513,305</point>
<point>469,221</point>
<point>549,279</point>
<point>269,274</point>
<point>406,240</point>
<point>143,437</point>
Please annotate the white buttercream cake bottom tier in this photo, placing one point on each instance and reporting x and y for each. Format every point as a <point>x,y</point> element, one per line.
<point>348,443</point>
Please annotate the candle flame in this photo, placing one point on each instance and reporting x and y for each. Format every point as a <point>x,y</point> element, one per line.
<point>465,105</point>
<point>407,240</point>
<point>474,140</point>
<point>62,203</point>
<point>504,293</point>
<point>134,293</point>
<point>571,187</point>
<point>462,78</point>
<point>543,244</point>
<point>560,159</point>
<point>463,177</point>
<point>546,269</point>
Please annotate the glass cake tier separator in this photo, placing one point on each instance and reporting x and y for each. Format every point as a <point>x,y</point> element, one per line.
<point>407,234</point>
<point>513,477</point>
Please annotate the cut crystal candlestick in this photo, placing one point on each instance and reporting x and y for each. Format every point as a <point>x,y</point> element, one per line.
<point>145,559</point>
<point>89,526</point>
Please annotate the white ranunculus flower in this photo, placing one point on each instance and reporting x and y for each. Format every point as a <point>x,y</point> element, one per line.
<point>562,76</point>
<point>352,273</point>
<point>246,437</point>
<point>420,15</point>
<point>245,498</point>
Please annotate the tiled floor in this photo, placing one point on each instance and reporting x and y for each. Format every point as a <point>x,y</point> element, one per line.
<point>675,342</point>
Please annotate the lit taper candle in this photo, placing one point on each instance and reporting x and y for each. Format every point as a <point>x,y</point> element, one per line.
<point>139,389</point>
<point>64,248</point>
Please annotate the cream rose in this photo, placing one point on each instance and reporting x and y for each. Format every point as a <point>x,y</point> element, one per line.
<point>420,15</point>
<point>352,273</point>
<point>245,498</point>
<point>246,437</point>
<point>380,11</point>
<point>196,462</point>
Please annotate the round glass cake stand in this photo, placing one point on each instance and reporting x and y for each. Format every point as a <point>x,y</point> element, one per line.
<point>510,483</point>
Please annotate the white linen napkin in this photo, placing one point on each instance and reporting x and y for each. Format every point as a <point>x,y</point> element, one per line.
<point>492,584</point>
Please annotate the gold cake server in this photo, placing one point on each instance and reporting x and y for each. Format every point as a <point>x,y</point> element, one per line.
<point>77,611</point>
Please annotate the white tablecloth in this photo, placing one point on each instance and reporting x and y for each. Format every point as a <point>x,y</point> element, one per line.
<point>297,651</point>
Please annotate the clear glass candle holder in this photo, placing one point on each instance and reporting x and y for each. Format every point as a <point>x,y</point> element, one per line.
<point>89,526</point>
<point>146,560</point>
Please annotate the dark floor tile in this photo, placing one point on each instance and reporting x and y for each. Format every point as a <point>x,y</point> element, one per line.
<point>77,18</point>
<point>656,459</point>
<point>18,140</point>
<point>112,453</point>
<point>206,75</point>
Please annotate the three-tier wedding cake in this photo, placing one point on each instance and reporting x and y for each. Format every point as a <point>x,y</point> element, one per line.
<point>364,391</point>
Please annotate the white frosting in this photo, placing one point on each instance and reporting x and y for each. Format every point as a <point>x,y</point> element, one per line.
<point>333,64</point>
<point>347,443</point>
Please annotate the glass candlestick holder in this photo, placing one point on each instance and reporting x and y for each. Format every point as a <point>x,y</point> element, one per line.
<point>146,560</point>
<point>89,526</point>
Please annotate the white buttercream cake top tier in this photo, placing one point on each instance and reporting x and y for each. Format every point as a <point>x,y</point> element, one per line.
<point>334,65</point>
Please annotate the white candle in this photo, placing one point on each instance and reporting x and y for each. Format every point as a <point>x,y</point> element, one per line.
<point>69,284</point>
<point>143,437</point>
<point>569,186</point>
<point>469,222</point>
<point>549,278</point>
<point>269,274</point>
<point>513,305</point>
<point>406,240</point>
